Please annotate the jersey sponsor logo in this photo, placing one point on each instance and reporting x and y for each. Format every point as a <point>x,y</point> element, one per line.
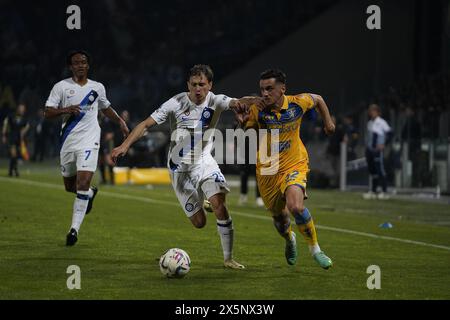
<point>285,145</point>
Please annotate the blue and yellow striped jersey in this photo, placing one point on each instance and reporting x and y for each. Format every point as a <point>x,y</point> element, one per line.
<point>292,151</point>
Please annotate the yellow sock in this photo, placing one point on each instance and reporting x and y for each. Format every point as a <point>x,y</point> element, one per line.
<point>288,234</point>
<point>308,231</point>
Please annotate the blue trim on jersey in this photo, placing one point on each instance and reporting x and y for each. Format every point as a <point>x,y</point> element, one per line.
<point>89,99</point>
<point>207,115</point>
<point>172,165</point>
<point>292,113</point>
<point>73,121</point>
<point>70,124</point>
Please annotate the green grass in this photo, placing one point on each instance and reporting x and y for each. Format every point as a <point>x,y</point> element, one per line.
<point>121,240</point>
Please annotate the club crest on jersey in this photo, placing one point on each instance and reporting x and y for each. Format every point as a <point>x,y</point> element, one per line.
<point>72,92</point>
<point>291,113</point>
<point>206,114</point>
<point>89,99</point>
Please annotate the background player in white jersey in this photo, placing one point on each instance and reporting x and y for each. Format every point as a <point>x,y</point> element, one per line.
<point>193,171</point>
<point>78,100</point>
<point>377,135</point>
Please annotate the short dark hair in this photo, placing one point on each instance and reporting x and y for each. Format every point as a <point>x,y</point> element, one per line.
<point>279,75</point>
<point>74,52</point>
<point>198,69</point>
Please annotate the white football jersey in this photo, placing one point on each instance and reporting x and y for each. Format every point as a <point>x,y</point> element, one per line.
<point>82,131</point>
<point>377,131</point>
<point>191,121</point>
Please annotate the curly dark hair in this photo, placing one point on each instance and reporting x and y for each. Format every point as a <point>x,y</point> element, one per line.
<point>74,52</point>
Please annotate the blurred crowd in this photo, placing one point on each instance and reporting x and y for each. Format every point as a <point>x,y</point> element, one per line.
<point>141,51</point>
<point>419,114</point>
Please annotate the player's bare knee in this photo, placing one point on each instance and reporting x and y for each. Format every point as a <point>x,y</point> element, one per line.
<point>296,208</point>
<point>280,218</point>
<point>199,223</point>
<point>198,220</point>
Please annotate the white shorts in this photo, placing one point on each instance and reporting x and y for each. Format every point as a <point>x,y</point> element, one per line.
<point>197,183</point>
<point>81,160</point>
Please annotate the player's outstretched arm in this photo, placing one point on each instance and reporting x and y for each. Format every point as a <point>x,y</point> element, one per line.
<point>246,102</point>
<point>113,116</point>
<point>135,135</point>
<point>241,107</point>
<point>321,106</point>
<point>51,113</point>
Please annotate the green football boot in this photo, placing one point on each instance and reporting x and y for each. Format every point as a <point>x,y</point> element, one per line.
<point>291,250</point>
<point>323,260</point>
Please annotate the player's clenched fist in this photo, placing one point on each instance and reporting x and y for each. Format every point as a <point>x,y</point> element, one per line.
<point>329,128</point>
<point>120,151</point>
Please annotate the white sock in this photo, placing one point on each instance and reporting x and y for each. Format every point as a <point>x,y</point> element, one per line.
<point>90,193</point>
<point>314,249</point>
<point>79,208</point>
<point>226,232</point>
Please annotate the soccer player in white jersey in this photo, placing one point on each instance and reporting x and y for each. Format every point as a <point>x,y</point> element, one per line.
<point>78,100</point>
<point>191,113</point>
<point>377,135</point>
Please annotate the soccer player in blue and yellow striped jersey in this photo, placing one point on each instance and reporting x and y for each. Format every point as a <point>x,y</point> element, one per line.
<point>282,176</point>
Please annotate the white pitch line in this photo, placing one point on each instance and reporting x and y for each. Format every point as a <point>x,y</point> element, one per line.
<point>243,214</point>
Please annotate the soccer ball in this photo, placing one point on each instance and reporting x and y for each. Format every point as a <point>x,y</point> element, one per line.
<point>175,263</point>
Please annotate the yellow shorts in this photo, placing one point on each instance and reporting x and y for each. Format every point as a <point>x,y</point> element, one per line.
<point>272,187</point>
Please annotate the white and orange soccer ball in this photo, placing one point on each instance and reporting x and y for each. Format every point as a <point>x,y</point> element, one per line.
<point>175,263</point>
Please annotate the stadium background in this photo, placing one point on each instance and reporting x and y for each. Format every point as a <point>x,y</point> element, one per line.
<point>141,51</point>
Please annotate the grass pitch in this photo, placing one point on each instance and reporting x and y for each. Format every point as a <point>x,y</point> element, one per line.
<point>129,228</point>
